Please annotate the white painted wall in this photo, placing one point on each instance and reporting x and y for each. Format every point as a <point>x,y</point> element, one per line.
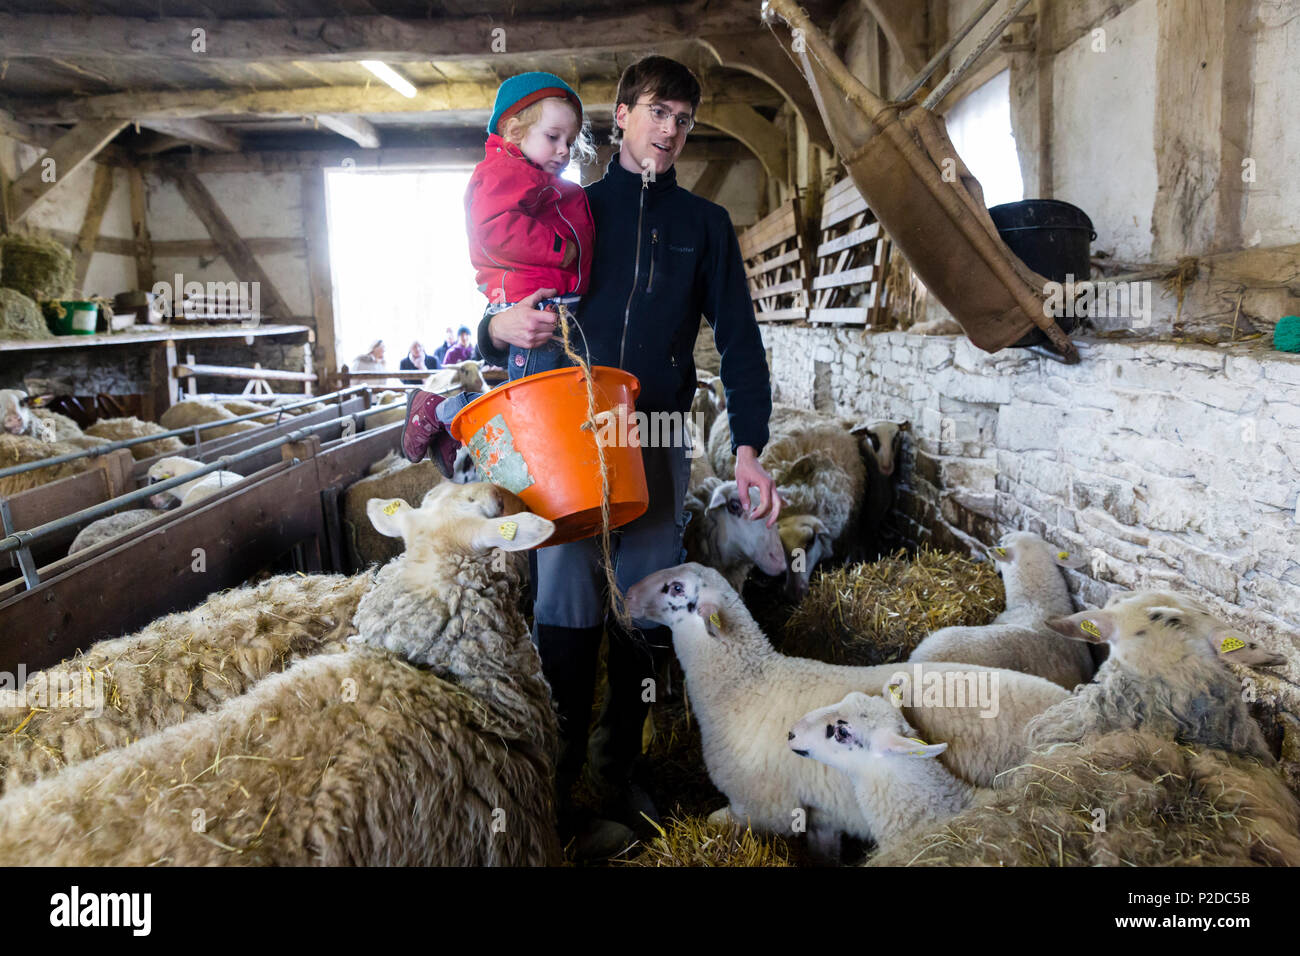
<point>1272,213</point>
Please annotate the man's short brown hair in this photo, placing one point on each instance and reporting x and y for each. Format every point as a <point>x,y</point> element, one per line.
<point>660,76</point>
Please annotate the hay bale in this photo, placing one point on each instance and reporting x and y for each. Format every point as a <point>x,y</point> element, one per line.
<point>180,665</point>
<point>877,612</point>
<point>1165,804</point>
<point>410,482</point>
<point>120,429</point>
<point>21,449</point>
<point>38,267</point>
<point>20,317</point>
<point>692,841</point>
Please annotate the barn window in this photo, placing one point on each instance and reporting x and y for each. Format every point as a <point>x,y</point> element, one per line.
<point>980,127</point>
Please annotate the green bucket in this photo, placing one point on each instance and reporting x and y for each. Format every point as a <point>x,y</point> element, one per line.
<point>79,318</point>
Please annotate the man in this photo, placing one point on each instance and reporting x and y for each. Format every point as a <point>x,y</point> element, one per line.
<point>417,360</point>
<point>662,258</point>
<point>462,351</point>
<point>440,353</point>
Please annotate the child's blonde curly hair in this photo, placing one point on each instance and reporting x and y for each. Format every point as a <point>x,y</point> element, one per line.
<point>516,126</point>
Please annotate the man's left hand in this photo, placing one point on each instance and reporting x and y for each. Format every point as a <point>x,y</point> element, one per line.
<point>750,474</point>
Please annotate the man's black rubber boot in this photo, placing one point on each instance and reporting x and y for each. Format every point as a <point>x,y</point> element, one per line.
<point>569,658</point>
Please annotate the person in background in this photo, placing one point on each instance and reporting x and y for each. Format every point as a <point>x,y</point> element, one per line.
<point>372,360</point>
<point>440,353</point>
<point>417,360</point>
<point>462,351</point>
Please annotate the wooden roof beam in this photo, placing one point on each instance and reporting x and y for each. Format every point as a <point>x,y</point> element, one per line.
<point>354,128</point>
<point>197,131</point>
<point>64,157</point>
<point>746,124</point>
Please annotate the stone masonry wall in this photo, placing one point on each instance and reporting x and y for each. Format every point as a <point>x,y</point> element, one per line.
<point>1169,464</point>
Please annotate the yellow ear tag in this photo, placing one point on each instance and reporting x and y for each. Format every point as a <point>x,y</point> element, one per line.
<point>393,507</point>
<point>1062,555</point>
<point>715,619</point>
<point>1000,551</point>
<point>507,530</point>
<point>918,753</point>
<point>1231,644</point>
<point>895,693</point>
<point>1089,628</point>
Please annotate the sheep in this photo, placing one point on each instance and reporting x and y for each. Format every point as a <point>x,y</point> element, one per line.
<point>20,415</point>
<point>392,415</point>
<point>1019,638</point>
<point>352,758</point>
<point>718,440</point>
<point>710,401</point>
<point>747,696</point>
<point>188,413</point>
<point>120,429</point>
<point>882,447</point>
<point>21,449</point>
<point>867,739</point>
<point>401,479</point>
<point>721,535</point>
<point>191,492</point>
<point>97,532</point>
<point>807,542</point>
<point>180,665</point>
<point>454,379</point>
<point>16,411</point>
<point>1165,674</point>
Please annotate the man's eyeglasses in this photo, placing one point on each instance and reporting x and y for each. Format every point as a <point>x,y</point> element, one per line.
<point>684,122</point>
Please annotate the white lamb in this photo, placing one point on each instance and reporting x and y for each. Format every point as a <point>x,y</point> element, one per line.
<point>896,780</point>
<point>454,379</point>
<point>191,492</point>
<point>746,696</point>
<point>1019,638</point>
<point>721,534</point>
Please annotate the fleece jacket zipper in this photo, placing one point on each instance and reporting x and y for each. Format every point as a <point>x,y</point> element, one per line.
<point>636,273</point>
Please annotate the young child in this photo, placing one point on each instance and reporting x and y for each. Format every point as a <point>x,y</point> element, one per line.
<point>529,229</point>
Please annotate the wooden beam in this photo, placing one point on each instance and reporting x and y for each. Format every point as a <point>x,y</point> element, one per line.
<point>765,141</point>
<point>711,180</point>
<point>455,97</point>
<point>1044,60</point>
<point>64,157</point>
<point>903,24</point>
<point>140,244</point>
<point>320,280</point>
<point>283,40</point>
<point>196,131</point>
<point>84,248</point>
<point>354,128</point>
<point>758,53</point>
<point>233,249</point>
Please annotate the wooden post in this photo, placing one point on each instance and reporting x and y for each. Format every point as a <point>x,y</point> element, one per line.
<point>1044,57</point>
<point>162,361</point>
<point>316,230</point>
<point>100,193</point>
<point>140,231</point>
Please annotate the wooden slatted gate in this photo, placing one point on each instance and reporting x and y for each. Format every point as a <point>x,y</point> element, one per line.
<point>776,264</point>
<point>853,251</point>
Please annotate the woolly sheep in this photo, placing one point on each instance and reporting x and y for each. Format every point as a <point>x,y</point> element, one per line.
<point>99,531</point>
<point>188,413</point>
<point>178,666</point>
<point>807,542</point>
<point>239,406</point>
<point>401,479</point>
<point>392,415</point>
<point>454,379</point>
<point>357,758</point>
<point>896,780</point>
<point>120,429</point>
<point>1019,638</point>
<point>191,492</point>
<point>747,696</point>
<point>721,535</point>
<point>21,449</point>
<point>882,444</point>
<point>1165,674</point>
<point>710,401</point>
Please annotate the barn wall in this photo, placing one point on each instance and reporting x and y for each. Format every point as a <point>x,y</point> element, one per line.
<point>1166,463</point>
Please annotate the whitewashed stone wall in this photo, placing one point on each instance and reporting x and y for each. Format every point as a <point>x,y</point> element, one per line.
<point>1169,464</point>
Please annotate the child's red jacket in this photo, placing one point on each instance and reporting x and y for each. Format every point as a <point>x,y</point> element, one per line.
<point>521,220</point>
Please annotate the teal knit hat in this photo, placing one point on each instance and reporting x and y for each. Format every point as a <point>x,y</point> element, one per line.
<point>526,89</point>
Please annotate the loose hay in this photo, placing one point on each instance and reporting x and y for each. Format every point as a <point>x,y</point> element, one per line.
<point>1164,804</point>
<point>37,267</point>
<point>692,841</point>
<point>20,318</point>
<point>877,612</point>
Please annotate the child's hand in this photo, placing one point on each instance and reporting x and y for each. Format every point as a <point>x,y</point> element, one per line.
<point>570,253</point>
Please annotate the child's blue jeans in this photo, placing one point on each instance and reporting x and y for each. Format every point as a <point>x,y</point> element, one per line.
<point>521,362</point>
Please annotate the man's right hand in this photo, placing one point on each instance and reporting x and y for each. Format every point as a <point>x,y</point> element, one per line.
<point>523,324</point>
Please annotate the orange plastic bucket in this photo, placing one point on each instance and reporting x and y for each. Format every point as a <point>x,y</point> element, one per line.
<point>527,437</point>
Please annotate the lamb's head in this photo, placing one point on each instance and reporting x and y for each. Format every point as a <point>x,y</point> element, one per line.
<point>469,520</point>
<point>697,603</point>
<point>884,441</point>
<point>1150,635</point>
<point>806,541</point>
<point>739,537</point>
<point>1021,547</point>
<point>858,729</point>
<point>15,415</point>
<point>469,376</point>
<point>1229,645</point>
<point>164,469</point>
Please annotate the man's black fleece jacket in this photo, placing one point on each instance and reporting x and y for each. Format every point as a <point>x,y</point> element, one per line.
<point>663,258</point>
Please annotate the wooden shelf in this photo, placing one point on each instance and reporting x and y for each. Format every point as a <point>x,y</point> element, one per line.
<point>155,333</point>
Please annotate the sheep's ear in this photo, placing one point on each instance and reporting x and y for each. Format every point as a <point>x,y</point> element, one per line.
<point>719,497</point>
<point>824,539</point>
<point>861,428</point>
<point>886,743</point>
<point>37,401</point>
<point>1070,559</point>
<point>518,532</point>
<point>803,469</point>
<point>387,515</point>
<point>1002,555</point>
<point>709,606</point>
<point>904,426</point>
<point>1095,627</point>
<point>1234,647</point>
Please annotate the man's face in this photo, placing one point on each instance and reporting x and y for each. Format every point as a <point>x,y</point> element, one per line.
<point>417,351</point>
<point>648,143</point>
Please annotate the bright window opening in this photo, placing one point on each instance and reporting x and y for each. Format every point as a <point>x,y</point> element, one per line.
<point>980,128</point>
